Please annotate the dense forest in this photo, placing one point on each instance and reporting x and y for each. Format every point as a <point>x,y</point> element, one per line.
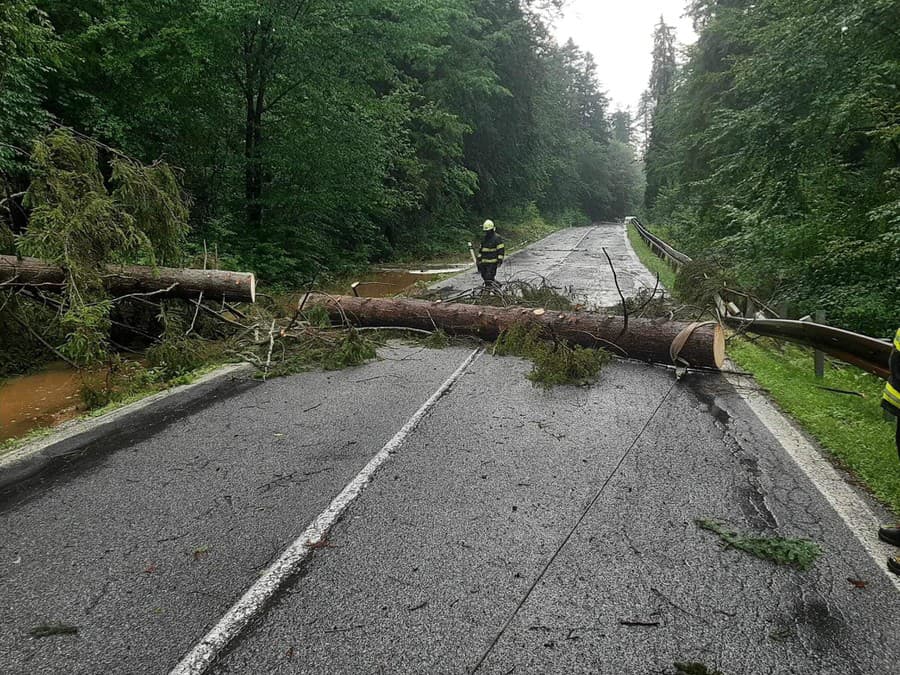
<point>775,150</point>
<point>313,135</point>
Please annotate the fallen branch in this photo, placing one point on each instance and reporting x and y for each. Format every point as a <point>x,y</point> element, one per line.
<point>40,339</point>
<point>621,296</point>
<point>271,346</point>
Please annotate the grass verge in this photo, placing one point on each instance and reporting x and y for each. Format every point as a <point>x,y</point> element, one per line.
<point>650,260</point>
<point>851,428</point>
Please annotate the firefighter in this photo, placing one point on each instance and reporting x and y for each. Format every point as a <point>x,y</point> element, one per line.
<point>491,254</point>
<point>891,402</point>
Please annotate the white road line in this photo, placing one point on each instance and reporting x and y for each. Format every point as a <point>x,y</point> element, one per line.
<point>276,575</point>
<point>842,498</point>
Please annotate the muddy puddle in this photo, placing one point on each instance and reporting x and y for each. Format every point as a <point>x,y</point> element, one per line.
<point>390,282</point>
<point>42,399</point>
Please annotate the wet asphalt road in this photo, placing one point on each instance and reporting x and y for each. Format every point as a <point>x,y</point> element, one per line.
<point>573,260</point>
<point>516,530</point>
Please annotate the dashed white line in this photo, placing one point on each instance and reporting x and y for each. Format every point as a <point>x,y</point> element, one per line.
<point>254,601</point>
<point>863,523</point>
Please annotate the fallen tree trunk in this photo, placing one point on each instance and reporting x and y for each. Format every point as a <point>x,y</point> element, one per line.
<point>644,339</point>
<point>135,279</point>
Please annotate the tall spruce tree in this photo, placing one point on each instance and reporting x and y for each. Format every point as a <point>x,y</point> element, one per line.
<point>659,89</point>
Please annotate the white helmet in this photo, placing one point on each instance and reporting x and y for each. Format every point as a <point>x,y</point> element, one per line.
<point>488,225</point>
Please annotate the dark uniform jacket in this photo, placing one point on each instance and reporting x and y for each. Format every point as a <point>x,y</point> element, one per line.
<point>891,399</point>
<point>493,250</point>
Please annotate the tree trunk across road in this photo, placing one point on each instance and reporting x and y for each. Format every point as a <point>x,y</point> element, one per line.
<point>125,279</point>
<point>644,339</point>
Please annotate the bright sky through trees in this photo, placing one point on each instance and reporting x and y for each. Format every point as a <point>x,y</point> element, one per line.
<point>620,36</point>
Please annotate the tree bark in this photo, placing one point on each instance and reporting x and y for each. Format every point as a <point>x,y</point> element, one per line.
<point>644,339</point>
<point>126,279</point>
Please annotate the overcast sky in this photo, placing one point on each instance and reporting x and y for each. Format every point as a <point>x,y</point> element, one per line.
<point>619,33</point>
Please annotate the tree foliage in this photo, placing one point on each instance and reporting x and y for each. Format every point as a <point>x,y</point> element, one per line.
<point>28,53</point>
<point>779,151</point>
<point>316,134</point>
<point>86,215</point>
<point>659,89</point>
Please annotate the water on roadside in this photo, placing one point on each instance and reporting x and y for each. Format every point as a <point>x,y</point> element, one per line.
<point>386,283</point>
<point>53,395</point>
<point>42,399</point>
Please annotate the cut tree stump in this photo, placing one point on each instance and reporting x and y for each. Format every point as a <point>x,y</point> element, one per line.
<point>645,339</point>
<point>135,279</point>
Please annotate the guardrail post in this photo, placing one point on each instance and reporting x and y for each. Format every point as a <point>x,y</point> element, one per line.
<point>820,356</point>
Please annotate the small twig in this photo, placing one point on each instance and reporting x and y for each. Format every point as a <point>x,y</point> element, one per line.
<point>246,330</point>
<point>146,295</point>
<point>196,312</point>
<point>398,328</point>
<point>234,310</point>
<point>14,195</point>
<point>431,319</point>
<point>640,311</point>
<point>200,299</point>
<point>301,305</point>
<point>212,312</point>
<point>842,391</point>
<point>42,340</point>
<point>271,347</point>
<point>621,295</point>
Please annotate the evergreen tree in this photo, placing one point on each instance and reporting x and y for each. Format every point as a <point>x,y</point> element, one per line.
<point>622,126</point>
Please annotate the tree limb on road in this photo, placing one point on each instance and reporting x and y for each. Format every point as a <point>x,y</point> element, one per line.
<point>642,339</point>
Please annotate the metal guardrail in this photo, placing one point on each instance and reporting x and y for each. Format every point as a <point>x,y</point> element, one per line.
<point>662,249</point>
<point>865,352</point>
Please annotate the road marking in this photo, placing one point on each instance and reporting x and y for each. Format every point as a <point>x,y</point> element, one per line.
<point>863,523</point>
<point>254,600</point>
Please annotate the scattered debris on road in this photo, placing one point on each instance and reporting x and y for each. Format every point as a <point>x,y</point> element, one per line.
<point>50,629</point>
<point>554,362</point>
<point>800,553</point>
<point>639,624</point>
<point>694,669</point>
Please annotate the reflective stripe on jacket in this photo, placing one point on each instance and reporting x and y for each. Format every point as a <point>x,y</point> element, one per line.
<point>493,250</point>
<point>891,399</point>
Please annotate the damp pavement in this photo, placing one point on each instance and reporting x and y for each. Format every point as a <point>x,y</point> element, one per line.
<point>574,260</point>
<point>516,530</point>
